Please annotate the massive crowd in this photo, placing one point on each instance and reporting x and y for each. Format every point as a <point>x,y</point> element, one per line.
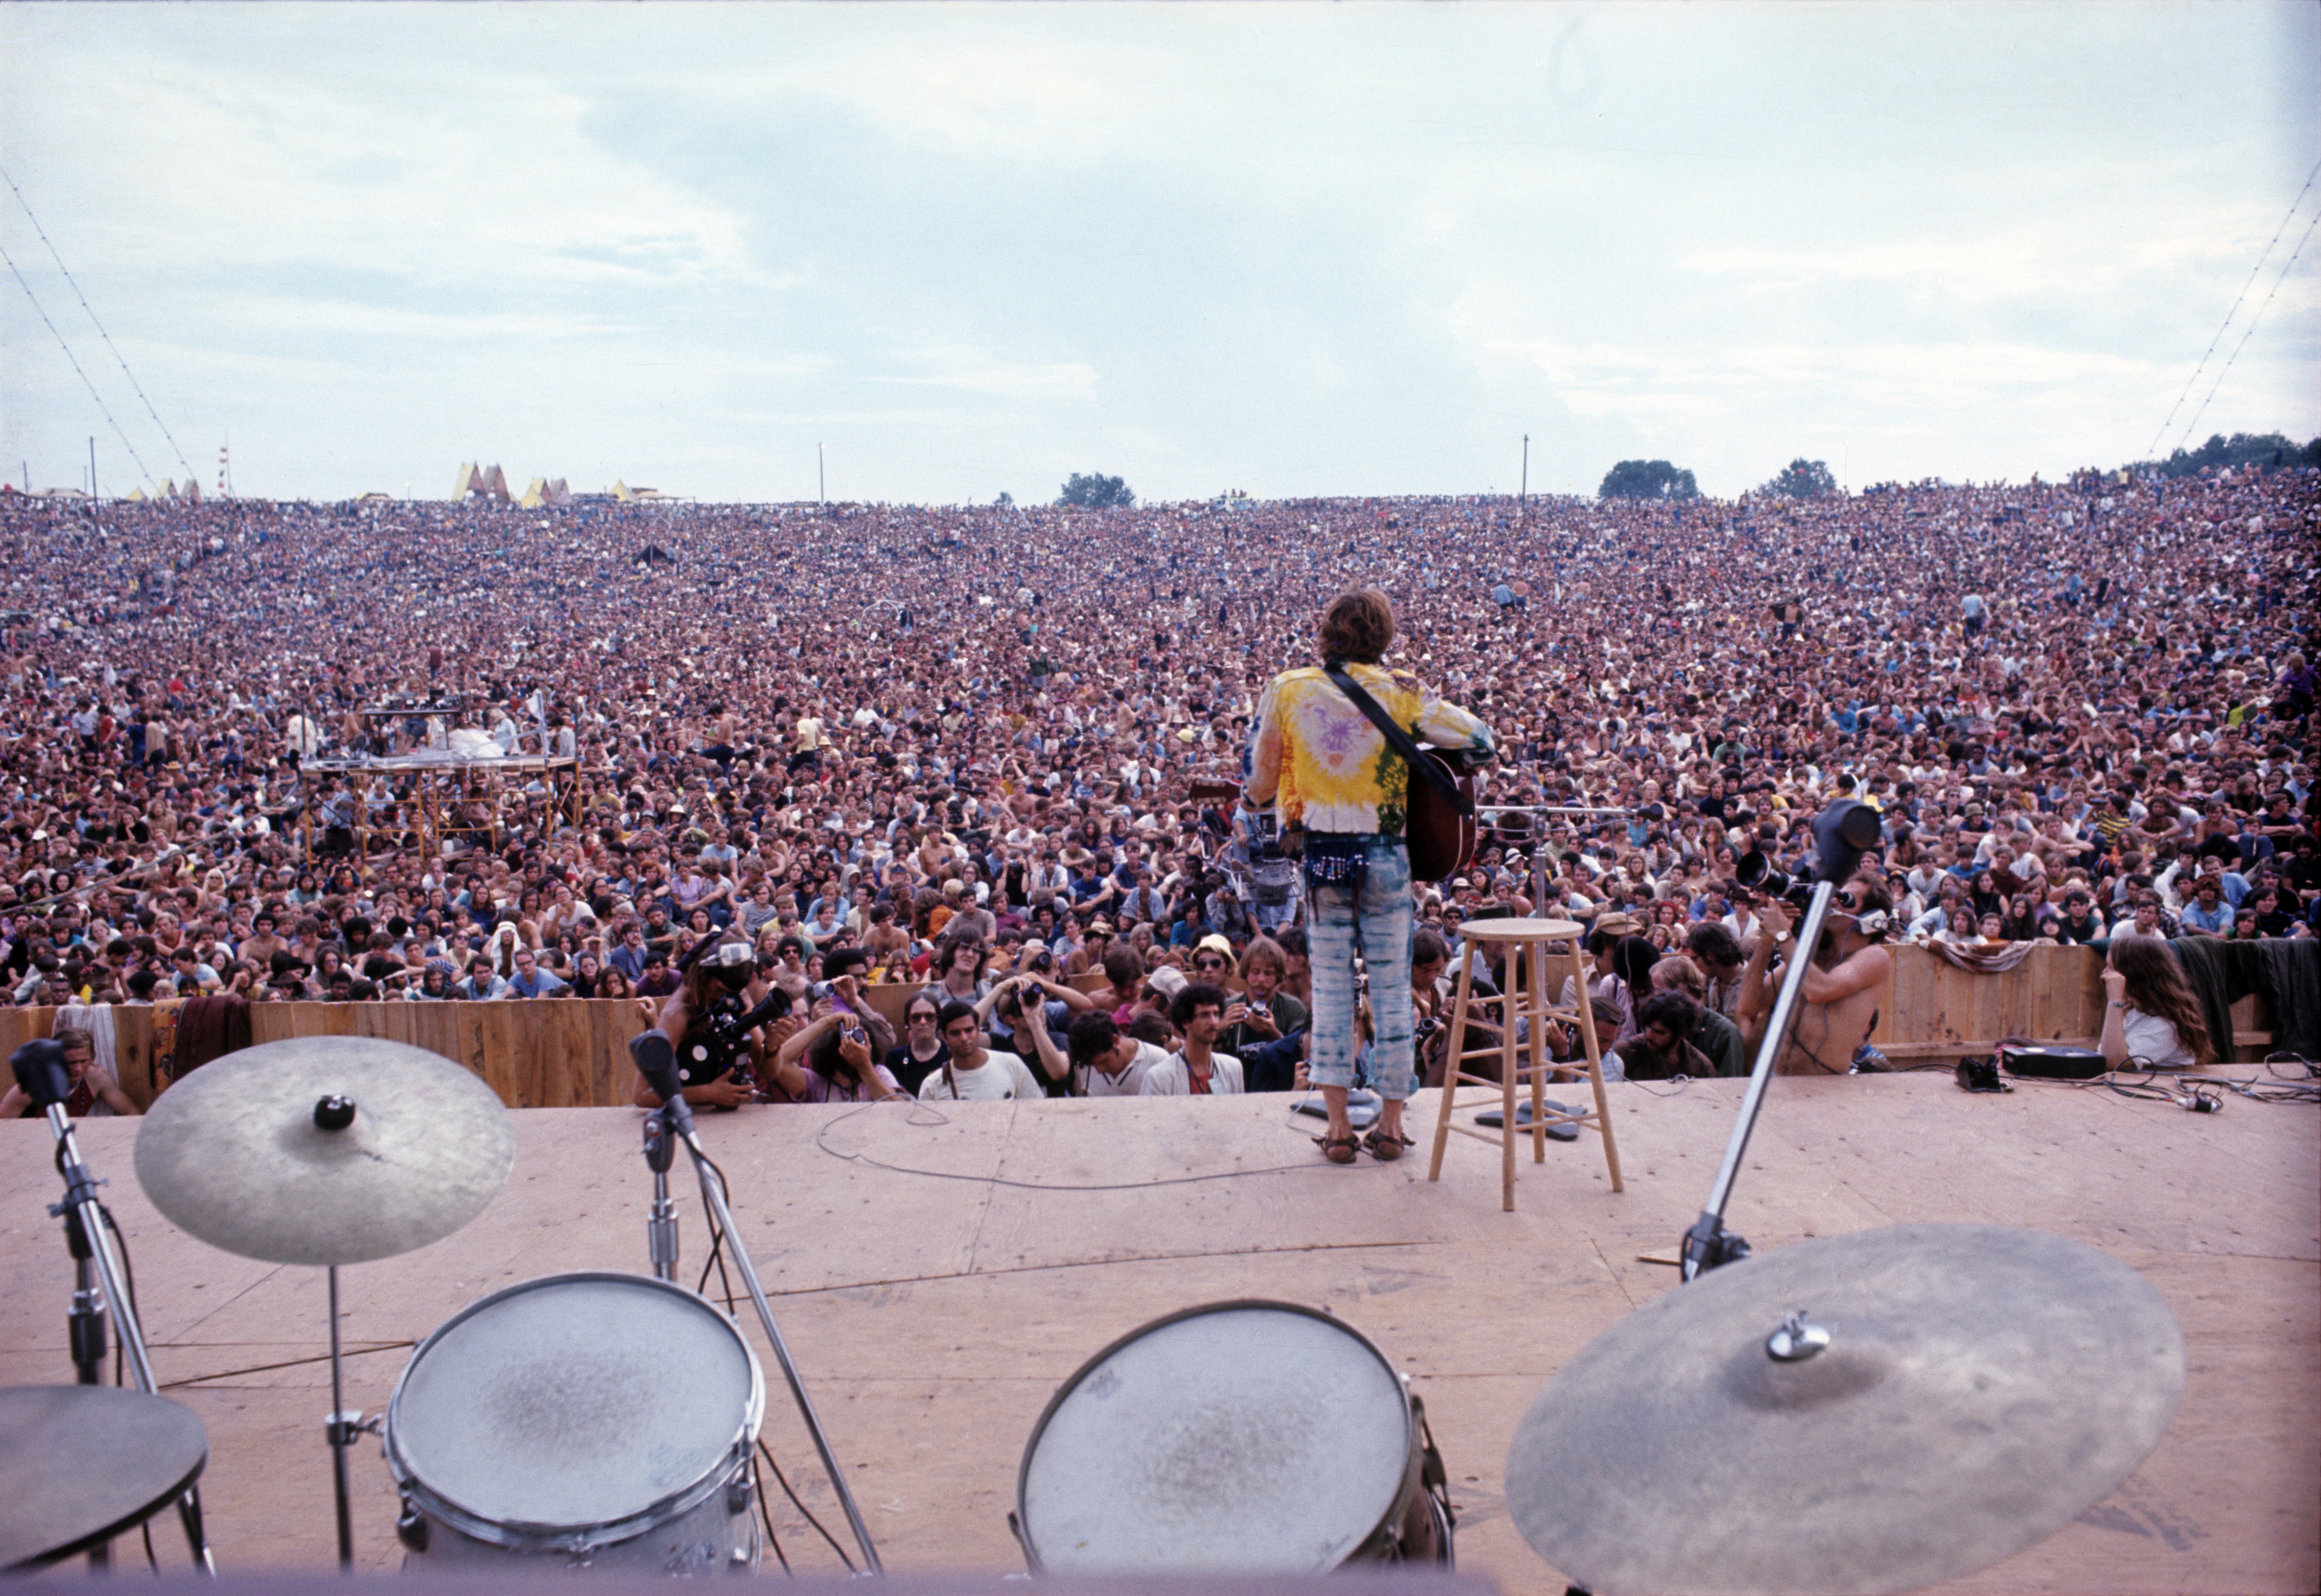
<point>882,743</point>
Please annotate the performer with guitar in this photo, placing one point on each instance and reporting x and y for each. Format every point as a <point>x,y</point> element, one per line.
<point>1342,789</point>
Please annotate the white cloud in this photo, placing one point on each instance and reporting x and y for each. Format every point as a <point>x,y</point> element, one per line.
<point>352,318</point>
<point>982,371</point>
<point>1319,250</point>
<point>488,178</point>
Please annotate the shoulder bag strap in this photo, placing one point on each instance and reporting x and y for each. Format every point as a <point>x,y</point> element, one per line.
<point>1399,740</point>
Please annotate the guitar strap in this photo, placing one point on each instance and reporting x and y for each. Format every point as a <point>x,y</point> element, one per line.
<point>1397,738</point>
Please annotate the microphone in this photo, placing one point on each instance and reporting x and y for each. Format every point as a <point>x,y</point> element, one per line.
<point>656,1059</point>
<point>42,1072</point>
<point>1842,833</point>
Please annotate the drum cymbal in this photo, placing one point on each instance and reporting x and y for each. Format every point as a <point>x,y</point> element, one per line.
<point>80,1464</point>
<point>239,1153</point>
<point>1981,1388</point>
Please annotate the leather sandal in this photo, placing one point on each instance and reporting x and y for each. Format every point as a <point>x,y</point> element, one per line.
<point>1338,1149</point>
<point>1386,1148</point>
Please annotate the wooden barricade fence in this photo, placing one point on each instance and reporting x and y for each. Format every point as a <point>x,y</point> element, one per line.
<point>133,1045</point>
<point>571,1053</point>
<point>1933,1008</point>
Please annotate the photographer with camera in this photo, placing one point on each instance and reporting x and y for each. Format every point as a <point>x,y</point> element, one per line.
<point>705,1024</point>
<point>1839,1006</point>
<point>1030,1008</point>
<point>1264,1012</point>
<point>830,1061</point>
<point>845,972</point>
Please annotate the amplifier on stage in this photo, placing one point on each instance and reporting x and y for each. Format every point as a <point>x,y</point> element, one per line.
<point>2049,1061</point>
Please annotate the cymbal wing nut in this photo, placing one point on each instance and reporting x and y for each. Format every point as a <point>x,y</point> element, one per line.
<point>1797,1339</point>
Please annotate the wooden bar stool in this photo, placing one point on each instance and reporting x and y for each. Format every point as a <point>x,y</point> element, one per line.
<point>1525,943</point>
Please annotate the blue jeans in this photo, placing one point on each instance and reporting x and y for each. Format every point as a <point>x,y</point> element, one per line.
<point>1375,917</point>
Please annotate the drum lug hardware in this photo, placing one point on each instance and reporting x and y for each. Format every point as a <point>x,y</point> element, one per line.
<point>739,1494</point>
<point>341,1428</point>
<point>410,1526</point>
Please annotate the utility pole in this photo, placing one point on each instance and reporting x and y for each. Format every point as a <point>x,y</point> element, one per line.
<point>92,470</point>
<point>1523,493</point>
<point>821,477</point>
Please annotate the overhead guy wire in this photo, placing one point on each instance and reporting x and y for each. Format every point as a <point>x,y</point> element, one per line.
<point>101,333</point>
<point>2235,311</point>
<point>66,347</point>
<point>2285,270</point>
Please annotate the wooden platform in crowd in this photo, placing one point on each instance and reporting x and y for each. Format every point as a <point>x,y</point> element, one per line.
<point>571,1054</point>
<point>933,1318</point>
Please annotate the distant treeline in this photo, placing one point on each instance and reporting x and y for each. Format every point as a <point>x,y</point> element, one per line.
<point>2268,451</point>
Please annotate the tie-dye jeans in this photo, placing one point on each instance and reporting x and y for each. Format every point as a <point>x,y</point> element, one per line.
<point>1373,914</point>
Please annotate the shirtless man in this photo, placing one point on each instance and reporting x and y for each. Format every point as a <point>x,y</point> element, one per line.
<point>885,939</point>
<point>1838,1006</point>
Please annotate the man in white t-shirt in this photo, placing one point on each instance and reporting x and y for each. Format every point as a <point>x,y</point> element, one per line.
<point>1197,1069</point>
<point>1108,1062</point>
<point>973,1072</point>
<point>807,731</point>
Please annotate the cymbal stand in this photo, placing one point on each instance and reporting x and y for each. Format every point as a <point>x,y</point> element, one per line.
<point>335,1114</point>
<point>678,1118</point>
<point>1708,1244</point>
<point>340,1429</point>
<point>92,1298</point>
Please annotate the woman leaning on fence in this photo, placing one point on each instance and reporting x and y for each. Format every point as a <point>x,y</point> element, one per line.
<point>2152,1020</point>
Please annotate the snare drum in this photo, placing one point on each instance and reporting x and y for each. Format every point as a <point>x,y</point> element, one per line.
<point>1244,1436</point>
<point>599,1421</point>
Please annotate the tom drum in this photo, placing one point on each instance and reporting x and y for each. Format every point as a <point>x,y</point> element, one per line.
<point>599,1421</point>
<point>1247,1437</point>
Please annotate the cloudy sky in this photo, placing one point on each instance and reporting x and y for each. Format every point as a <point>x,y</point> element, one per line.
<point>1296,250</point>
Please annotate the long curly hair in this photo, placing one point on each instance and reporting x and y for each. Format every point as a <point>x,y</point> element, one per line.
<point>2156,985</point>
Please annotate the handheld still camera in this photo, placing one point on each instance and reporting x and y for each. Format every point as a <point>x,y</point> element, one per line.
<point>1842,833</point>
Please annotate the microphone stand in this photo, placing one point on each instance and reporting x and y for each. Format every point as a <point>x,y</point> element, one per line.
<point>675,1119</point>
<point>1538,841</point>
<point>661,1226</point>
<point>1708,1244</point>
<point>92,1247</point>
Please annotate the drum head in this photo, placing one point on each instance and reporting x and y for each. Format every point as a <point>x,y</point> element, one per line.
<point>576,1401</point>
<point>1252,1436</point>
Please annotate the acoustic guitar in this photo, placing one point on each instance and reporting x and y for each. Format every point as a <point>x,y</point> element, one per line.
<point>1442,839</point>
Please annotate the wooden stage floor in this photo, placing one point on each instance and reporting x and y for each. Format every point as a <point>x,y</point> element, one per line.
<point>933,1318</point>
